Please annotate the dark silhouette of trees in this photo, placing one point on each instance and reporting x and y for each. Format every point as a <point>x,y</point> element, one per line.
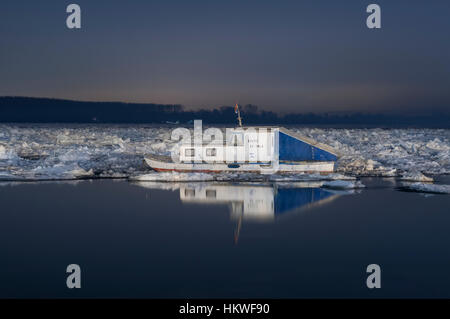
<point>45,110</point>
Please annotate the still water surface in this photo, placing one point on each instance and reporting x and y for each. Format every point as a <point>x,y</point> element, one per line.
<point>193,240</point>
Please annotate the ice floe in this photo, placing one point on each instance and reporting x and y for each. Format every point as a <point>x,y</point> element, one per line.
<point>3,154</point>
<point>6,154</point>
<point>308,177</point>
<point>59,151</point>
<point>428,188</point>
<point>60,171</point>
<point>238,177</point>
<point>415,176</point>
<point>387,152</point>
<point>343,184</point>
<point>173,177</point>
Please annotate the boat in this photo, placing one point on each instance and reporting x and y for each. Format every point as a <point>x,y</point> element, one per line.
<point>254,149</point>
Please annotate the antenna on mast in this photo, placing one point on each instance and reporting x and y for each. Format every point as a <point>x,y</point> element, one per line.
<point>236,110</point>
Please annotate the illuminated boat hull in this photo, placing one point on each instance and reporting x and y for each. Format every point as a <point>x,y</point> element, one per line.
<point>165,164</point>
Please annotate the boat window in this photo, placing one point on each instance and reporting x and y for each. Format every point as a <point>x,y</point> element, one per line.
<point>189,192</point>
<point>211,152</point>
<point>189,152</point>
<point>210,193</point>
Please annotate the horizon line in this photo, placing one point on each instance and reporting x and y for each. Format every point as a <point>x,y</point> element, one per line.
<point>259,109</point>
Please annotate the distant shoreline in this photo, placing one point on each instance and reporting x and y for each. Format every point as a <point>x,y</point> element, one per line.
<point>47,110</point>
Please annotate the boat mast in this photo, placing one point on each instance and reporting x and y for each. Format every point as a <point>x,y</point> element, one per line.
<point>236,110</point>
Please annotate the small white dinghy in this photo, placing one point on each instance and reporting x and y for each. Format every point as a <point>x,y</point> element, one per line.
<point>265,150</point>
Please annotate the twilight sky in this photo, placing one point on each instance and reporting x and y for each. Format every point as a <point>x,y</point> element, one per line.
<point>300,56</point>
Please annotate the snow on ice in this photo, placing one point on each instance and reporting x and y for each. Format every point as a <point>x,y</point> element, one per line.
<point>429,188</point>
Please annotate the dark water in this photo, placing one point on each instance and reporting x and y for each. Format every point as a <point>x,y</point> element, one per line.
<point>209,240</point>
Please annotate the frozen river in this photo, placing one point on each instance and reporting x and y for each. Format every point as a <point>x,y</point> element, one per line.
<point>41,152</point>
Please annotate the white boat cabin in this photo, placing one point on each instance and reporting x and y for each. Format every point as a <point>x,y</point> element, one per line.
<point>241,145</point>
<point>258,145</point>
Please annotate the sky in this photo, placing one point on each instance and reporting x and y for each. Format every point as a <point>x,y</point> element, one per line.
<point>284,56</point>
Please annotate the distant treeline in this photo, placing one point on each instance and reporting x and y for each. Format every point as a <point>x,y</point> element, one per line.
<point>44,110</point>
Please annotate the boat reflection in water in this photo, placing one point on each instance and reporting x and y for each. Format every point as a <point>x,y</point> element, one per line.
<point>253,202</point>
